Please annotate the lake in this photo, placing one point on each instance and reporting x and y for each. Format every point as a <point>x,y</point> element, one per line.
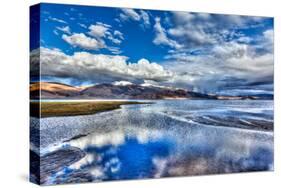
<point>164,139</point>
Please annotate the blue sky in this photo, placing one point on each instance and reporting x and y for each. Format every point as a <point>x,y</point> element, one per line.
<point>211,53</point>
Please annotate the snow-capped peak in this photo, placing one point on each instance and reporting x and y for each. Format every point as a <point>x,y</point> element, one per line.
<point>146,85</point>
<point>152,85</point>
<point>122,83</point>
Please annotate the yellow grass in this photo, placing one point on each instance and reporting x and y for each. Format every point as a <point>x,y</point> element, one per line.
<point>51,109</point>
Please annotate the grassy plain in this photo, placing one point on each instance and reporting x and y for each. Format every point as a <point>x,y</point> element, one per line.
<point>65,108</point>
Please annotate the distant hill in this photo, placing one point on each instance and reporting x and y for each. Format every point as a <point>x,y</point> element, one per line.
<point>51,90</point>
<point>135,92</point>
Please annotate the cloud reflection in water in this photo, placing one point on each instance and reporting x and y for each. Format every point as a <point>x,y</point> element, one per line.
<point>162,140</point>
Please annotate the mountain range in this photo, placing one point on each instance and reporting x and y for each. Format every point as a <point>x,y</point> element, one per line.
<point>126,90</point>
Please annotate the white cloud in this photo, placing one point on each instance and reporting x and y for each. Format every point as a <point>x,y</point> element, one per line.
<point>98,30</point>
<point>116,37</point>
<point>230,63</point>
<point>89,66</point>
<point>144,69</point>
<point>114,138</point>
<point>65,29</point>
<point>82,41</point>
<point>114,40</point>
<point>223,52</point>
<point>244,39</point>
<point>161,37</point>
<point>213,53</point>
<point>198,30</point>
<point>96,42</point>
<point>145,17</point>
<point>204,16</point>
<point>103,24</point>
<point>103,31</point>
<point>268,34</point>
<point>82,25</point>
<point>87,160</point>
<point>97,172</point>
<point>114,50</point>
<point>197,35</point>
<point>57,20</point>
<point>183,17</point>
<point>118,34</point>
<point>231,49</point>
<point>252,66</point>
<point>56,32</point>
<point>268,40</point>
<point>130,14</point>
<point>160,165</point>
<point>113,164</point>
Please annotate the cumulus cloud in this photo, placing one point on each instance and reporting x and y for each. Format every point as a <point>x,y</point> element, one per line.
<point>190,29</point>
<point>87,66</point>
<point>103,31</point>
<point>199,30</point>
<point>184,17</point>
<point>194,36</point>
<point>134,15</point>
<point>114,40</point>
<point>215,54</point>
<point>116,37</point>
<point>267,40</point>
<point>98,30</point>
<point>118,34</point>
<point>161,37</point>
<point>82,41</point>
<point>145,17</point>
<point>268,35</point>
<point>98,34</point>
<point>205,51</point>
<point>129,14</point>
<point>114,50</point>
<point>230,64</point>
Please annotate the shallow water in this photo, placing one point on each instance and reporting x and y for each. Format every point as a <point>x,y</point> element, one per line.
<point>167,138</point>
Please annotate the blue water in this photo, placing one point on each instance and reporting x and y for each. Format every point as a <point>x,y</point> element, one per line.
<point>164,139</point>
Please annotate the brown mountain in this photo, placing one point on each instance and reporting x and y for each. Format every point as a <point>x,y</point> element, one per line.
<point>52,90</point>
<point>131,92</point>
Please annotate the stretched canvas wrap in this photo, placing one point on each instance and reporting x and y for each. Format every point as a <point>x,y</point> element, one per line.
<point>119,94</point>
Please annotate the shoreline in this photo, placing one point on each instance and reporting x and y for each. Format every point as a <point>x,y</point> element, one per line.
<point>75,108</point>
